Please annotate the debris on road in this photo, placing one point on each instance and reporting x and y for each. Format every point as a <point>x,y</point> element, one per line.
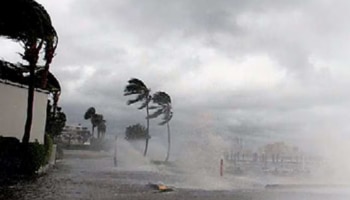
<point>160,187</point>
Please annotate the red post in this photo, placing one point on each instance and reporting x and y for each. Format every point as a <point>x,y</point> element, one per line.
<point>221,167</point>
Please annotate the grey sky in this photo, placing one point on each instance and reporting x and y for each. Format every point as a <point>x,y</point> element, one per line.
<point>263,69</point>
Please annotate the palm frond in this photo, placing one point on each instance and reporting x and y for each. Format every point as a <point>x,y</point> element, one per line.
<point>155,114</point>
<point>133,89</point>
<point>89,113</point>
<point>137,87</point>
<point>24,20</point>
<point>131,101</point>
<point>145,103</point>
<point>166,118</point>
<point>163,123</point>
<point>28,22</point>
<point>163,102</point>
<point>135,81</point>
<point>153,107</point>
<point>161,98</point>
<point>137,99</point>
<point>166,115</point>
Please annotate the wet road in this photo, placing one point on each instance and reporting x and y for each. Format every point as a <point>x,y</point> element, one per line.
<point>91,175</point>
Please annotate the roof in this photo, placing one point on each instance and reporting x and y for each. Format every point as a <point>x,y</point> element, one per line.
<point>17,74</point>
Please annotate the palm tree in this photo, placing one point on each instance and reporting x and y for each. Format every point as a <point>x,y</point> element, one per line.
<point>137,87</point>
<point>27,21</point>
<point>96,119</point>
<point>164,108</point>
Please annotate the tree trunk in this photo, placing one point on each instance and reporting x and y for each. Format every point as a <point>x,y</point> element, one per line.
<point>146,147</point>
<point>30,102</point>
<point>169,142</point>
<point>55,100</point>
<point>31,55</point>
<point>147,131</point>
<point>44,77</point>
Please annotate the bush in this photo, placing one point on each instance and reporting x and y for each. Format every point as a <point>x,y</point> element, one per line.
<point>33,157</point>
<point>10,152</point>
<point>22,159</point>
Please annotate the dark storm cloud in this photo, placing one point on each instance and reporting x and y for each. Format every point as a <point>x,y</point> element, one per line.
<point>196,50</point>
<point>216,23</point>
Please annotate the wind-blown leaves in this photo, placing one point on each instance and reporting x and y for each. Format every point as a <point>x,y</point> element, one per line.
<point>145,103</point>
<point>89,113</point>
<point>28,22</point>
<point>163,102</point>
<point>166,119</point>
<point>137,99</point>
<point>135,86</point>
<point>152,107</point>
<point>156,114</point>
<point>24,20</point>
<point>138,88</point>
<point>161,98</point>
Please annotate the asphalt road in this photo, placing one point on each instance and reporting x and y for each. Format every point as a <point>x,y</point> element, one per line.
<point>91,175</point>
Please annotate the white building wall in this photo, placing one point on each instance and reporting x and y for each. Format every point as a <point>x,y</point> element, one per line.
<point>13,109</point>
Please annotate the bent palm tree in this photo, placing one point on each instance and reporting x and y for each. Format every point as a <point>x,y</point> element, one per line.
<point>28,22</point>
<point>164,108</point>
<point>137,87</point>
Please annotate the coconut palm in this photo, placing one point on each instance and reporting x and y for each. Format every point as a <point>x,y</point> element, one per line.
<point>96,119</point>
<point>27,21</point>
<point>88,115</point>
<point>163,107</point>
<point>137,87</point>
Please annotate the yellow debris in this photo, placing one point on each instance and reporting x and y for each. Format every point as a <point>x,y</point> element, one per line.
<point>162,187</point>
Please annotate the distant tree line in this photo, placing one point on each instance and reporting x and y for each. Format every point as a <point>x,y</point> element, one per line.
<point>136,132</point>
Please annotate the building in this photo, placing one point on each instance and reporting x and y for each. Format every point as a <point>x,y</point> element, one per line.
<point>75,135</point>
<point>13,102</point>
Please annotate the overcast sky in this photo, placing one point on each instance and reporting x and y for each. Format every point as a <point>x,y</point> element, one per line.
<point>266,70</point>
